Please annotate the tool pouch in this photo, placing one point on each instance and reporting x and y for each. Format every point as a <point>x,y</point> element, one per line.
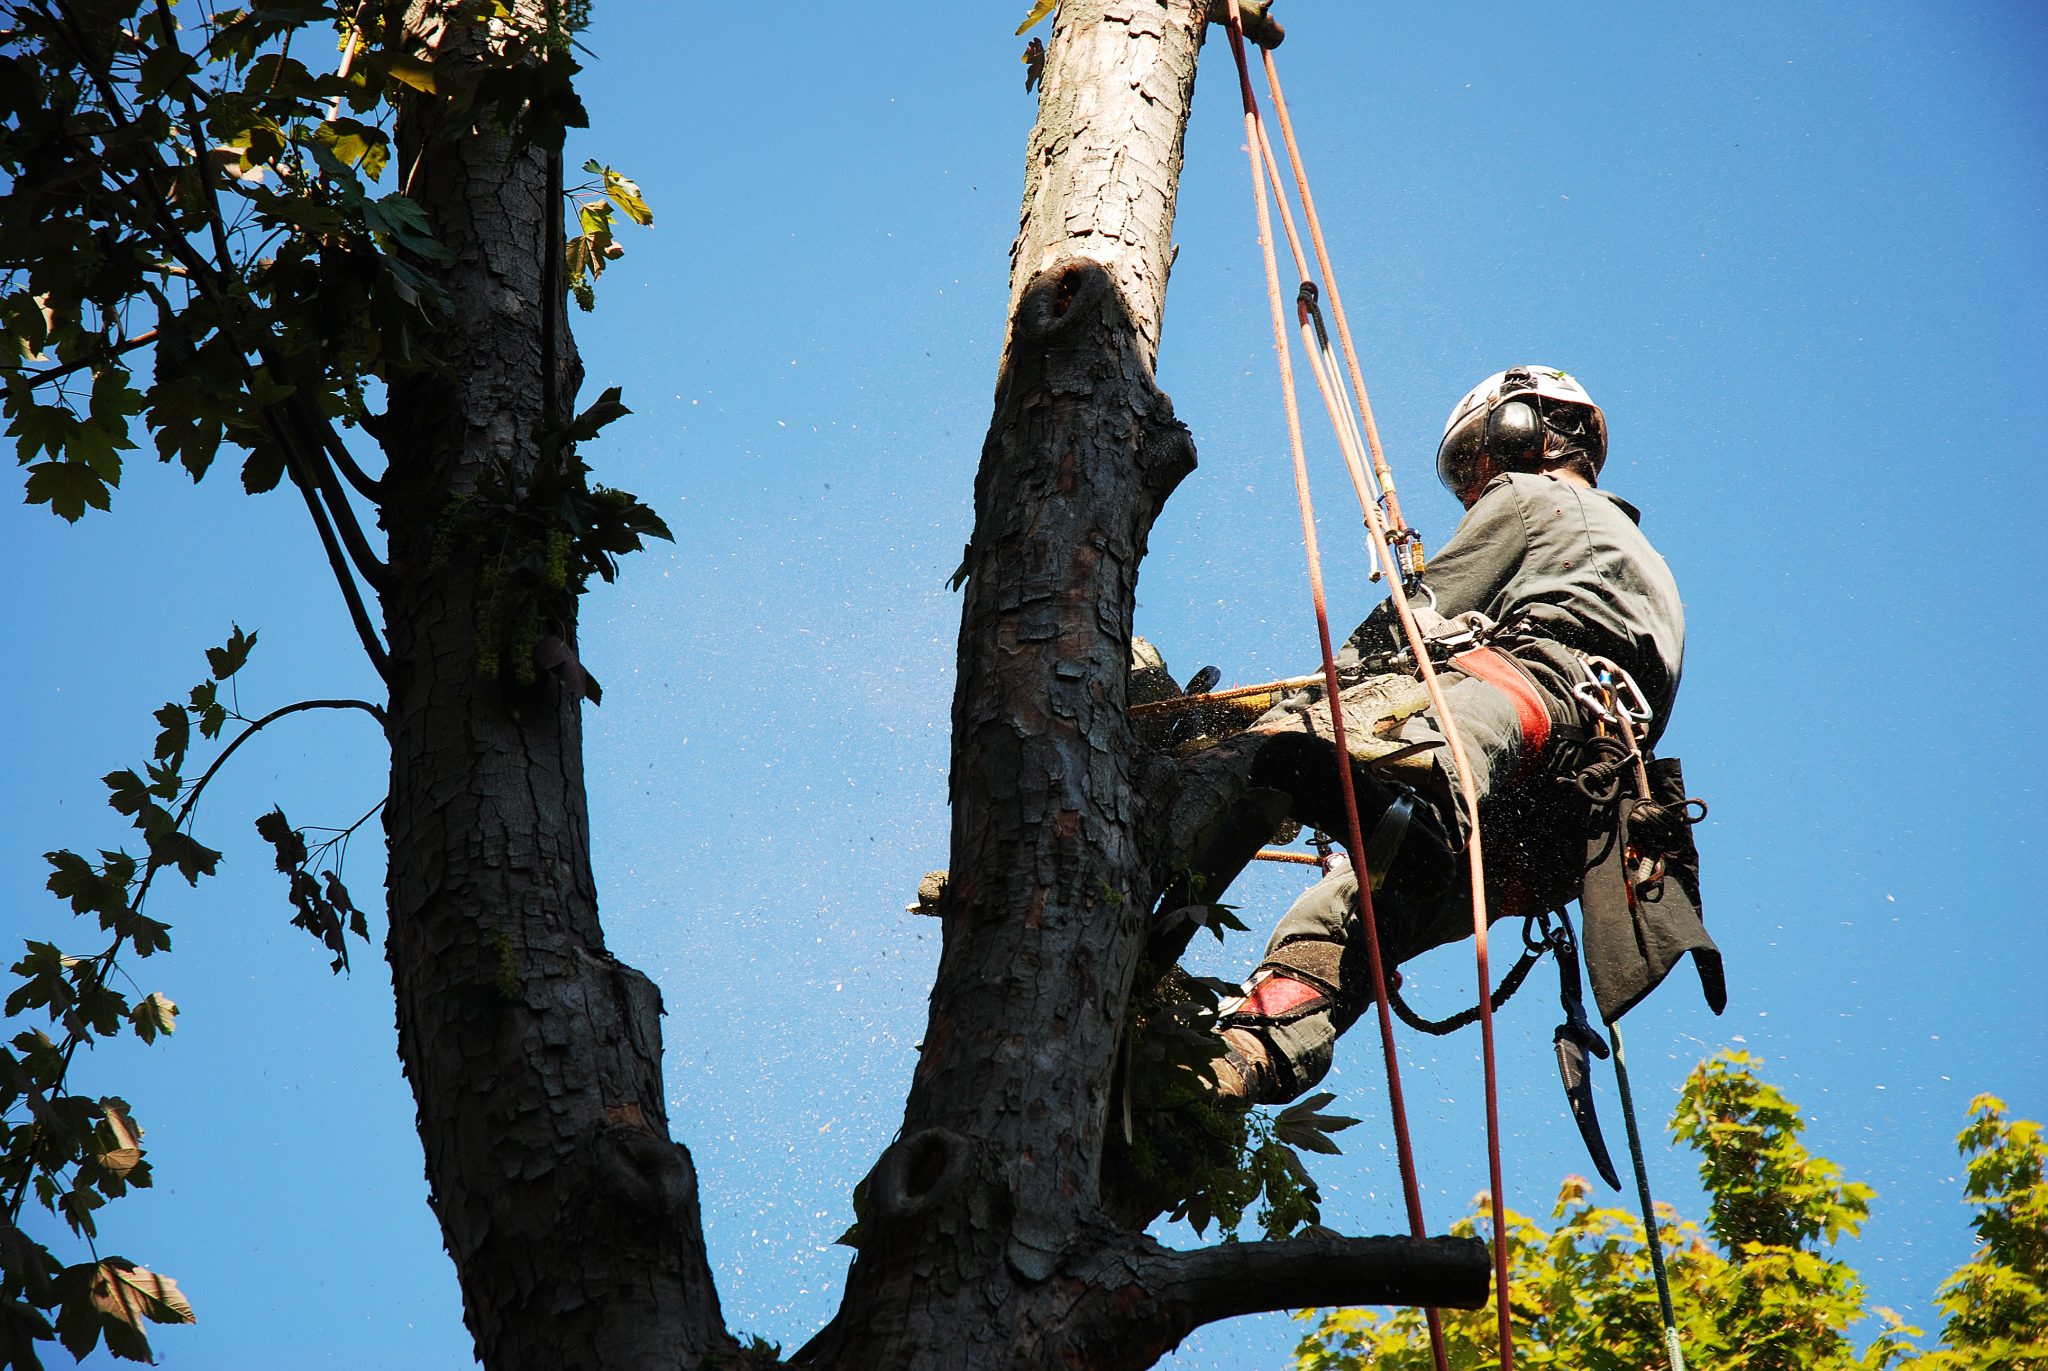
<point>1640,900</point>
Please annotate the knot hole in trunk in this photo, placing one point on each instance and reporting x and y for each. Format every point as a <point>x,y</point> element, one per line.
<point>1062,295</point>
<point>919,1171</point>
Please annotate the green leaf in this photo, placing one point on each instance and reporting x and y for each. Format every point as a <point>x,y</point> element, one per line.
<point>355,144</point>
<point>226,660</point>
<point>127,793</point>
<point>605,410</point>
<point>43,982</point>
<point>625,194</point>
<point>263,468</point>
<point>177,732</point>
<point>90,891</point>
<point>187,854</point>
<point>112,1299</point>
<point>411,71</point>
<point>68,488</point>
<point>144,934</point>
<point>152,1015</point>
<point>21,1328</point>
<point>1302,1124</point>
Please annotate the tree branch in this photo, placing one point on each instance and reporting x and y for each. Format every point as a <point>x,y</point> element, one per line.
<point>313,458</point>
<point>368,486</point>
<point>1215,1283</point>
<point>105,961</point>
<point>281,712</point>
<point>143,339</point>
<point>337,560</point>
<point>195,131</point>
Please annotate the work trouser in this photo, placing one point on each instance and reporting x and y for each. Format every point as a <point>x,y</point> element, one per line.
<point>1314,980</point>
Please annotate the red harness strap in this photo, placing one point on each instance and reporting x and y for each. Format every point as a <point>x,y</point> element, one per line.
<point>1488,665</point>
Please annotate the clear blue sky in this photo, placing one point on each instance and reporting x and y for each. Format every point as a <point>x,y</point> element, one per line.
<point>1796,251</point>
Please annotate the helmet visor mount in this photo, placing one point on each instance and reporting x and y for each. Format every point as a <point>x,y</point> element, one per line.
<point>1457,459</point>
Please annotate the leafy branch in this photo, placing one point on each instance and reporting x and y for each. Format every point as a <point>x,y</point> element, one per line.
<point>1179,1150</point>
<point>73,1152</point>
<point>538,536</point>
<point>596,203</point>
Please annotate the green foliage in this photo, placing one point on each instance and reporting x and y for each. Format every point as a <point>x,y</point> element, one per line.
<point>587,254</point>
<point>74,1152</point>
<point>1758,1290</point>
<point>201,230</point>
<point>323,905</point>
<point>1768,1191</point>
<point>1996,1306</point>
<point>1183,1153</point>
<point>537,537</point>
<point>199,194</point>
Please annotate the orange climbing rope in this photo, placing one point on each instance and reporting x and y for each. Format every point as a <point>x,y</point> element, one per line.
<point>1396,1103</point>
<point>1383,541</point>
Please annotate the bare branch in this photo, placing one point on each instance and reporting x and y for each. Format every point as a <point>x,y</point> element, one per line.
<point>368,486</point>
<point>337,561</point>
<point>1216,1283</point>
<point>257,726</point>
<point>311,457</point>
<point>197,133</point>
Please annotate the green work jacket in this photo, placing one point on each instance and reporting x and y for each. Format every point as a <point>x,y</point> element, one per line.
<point>1565,567</point>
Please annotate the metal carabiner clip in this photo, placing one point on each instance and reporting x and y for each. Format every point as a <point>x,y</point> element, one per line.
<point>1610,692</point>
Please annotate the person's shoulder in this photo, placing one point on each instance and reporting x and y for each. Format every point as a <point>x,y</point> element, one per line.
<point>1635,516</point>
<point>1539,487</point>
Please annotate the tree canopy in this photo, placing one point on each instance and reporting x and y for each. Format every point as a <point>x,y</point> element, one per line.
<point>1758,1286</point>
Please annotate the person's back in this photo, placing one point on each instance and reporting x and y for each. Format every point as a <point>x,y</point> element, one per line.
<point>1561,567</point>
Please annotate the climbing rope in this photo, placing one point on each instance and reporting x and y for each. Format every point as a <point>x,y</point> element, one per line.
<point>1674,1351</point>
<point>1411,1194</point>
<point>1397,570</point>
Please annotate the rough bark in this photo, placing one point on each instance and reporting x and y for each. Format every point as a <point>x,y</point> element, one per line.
<point>984,1238</point>
<point>534,1055</point>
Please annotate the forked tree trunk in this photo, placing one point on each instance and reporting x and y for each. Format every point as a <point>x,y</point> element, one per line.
<point>534,1055</point>
<point>984,1238</point>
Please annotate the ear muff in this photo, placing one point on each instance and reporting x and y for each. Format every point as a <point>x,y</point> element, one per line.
<point>1514,434</point>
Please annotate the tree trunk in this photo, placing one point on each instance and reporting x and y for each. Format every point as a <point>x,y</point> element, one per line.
<point>984,1241</point>
<point>534,1055</point>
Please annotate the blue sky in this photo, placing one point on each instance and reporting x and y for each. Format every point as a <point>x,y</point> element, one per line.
<point>1797,252</point>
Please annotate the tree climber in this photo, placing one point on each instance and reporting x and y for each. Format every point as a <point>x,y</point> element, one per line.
<point>1544,571</point>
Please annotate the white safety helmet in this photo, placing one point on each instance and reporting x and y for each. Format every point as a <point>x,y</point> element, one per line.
<point>1504,417</point>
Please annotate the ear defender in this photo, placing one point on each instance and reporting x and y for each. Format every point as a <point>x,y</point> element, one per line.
<point>1514,434</point>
